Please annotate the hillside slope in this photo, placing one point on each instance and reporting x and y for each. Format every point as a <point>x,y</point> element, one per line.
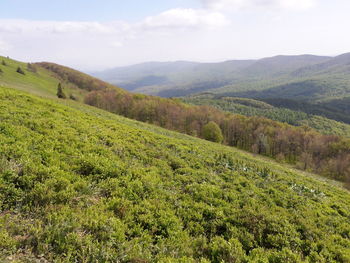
<point>36,79</point>
<point>327,155</point>
<point>78,184</point>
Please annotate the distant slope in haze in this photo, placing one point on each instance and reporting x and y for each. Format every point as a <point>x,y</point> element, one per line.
<point>314,83</point>
<point>182,78</point>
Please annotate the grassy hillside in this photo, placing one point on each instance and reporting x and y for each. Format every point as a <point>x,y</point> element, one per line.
<point>250,107</point>
<point>326,155</point>
<point>82,185</point>
<point>36,79</point>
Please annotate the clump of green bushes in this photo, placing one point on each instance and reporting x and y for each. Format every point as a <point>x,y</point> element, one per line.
<point>83,185</point>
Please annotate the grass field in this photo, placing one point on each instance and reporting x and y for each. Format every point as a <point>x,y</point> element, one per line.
<point>78,184</point>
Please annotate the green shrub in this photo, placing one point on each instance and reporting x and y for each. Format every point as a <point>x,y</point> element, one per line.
<point>60,93</point>
<point>20,71</point>
<point>73,97</point>
<point>212,132</point>
<point>221,250</point>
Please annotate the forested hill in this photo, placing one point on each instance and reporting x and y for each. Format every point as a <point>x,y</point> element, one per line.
<point>170,79</point>
<point>78,184</point>
<point>291,112</point>
<point>314,85</point>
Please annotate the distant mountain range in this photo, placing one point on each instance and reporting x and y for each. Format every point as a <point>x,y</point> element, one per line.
<point>306,77</point>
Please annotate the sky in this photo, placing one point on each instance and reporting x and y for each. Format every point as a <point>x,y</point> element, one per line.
<point>93,35</point>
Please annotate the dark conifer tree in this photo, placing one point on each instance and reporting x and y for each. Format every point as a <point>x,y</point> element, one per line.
<point>60,93</point>
<point>20,71</point>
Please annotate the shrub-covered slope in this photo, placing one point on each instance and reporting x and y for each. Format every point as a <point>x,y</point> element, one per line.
<point>326,155</point>
<point>81,185</point>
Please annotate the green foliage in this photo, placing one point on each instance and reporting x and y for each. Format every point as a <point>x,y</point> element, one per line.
<point>249,107</point>
<point>212,132</point>
<point>103,188</point>
<point>20,71</point>
<point>321,153</point>
<point>60,92</point>
<point>81,80</point>
<point>328,109</point>
<point>3,63</point>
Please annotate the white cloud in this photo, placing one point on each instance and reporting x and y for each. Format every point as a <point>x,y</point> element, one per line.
<point>238,4</point>
<point>4,47</point>
<point>183,34</point>
<point>59,27</point>
<point>173,18</point>
<point>185,18</point>
<point>97,44</point>
<point>116,44</point>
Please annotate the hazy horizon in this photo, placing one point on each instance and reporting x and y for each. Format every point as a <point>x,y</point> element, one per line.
<point>218,61</point>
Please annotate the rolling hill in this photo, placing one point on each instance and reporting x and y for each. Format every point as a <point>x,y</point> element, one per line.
<point>315,85</point>
<point>80,184</point>
<point>169,78</point>
<point>183,78</point>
